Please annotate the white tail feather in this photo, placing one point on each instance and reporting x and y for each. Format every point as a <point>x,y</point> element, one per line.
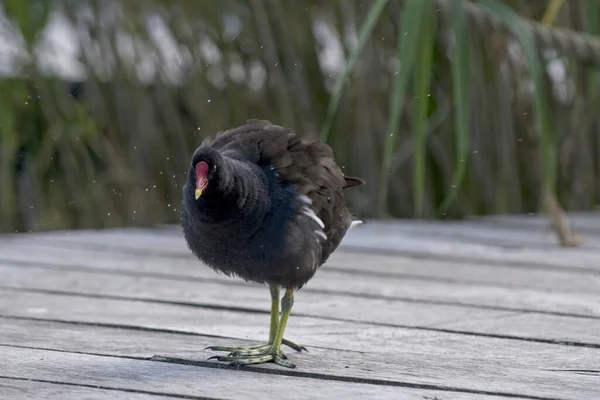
<point>354,223</point>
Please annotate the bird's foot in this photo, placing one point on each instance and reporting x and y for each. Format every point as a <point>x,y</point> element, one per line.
<point>258,354</point>
<point>253,355</point>
<point>255,349</point>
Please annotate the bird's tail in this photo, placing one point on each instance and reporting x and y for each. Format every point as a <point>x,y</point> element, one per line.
<point>355,222</point>
<point>352,181</point>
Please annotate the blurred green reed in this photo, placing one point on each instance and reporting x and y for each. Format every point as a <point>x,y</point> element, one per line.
<point>442,118</point>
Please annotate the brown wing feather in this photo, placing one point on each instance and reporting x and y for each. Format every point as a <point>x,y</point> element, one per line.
<point>308,162</point>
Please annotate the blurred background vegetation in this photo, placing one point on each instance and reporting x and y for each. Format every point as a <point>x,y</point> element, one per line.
<point>446,108</point>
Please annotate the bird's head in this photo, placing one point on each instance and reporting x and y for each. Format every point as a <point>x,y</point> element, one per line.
<point>203,171</point>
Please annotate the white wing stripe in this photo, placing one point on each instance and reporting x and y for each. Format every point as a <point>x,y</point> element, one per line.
<point>321,234</point>
<point>311,214</point>
<point>305,199</point>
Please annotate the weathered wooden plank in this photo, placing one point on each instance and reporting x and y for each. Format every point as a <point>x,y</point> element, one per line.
<point>587,222</point>
<point>475,231</point>
<point>422,358</point>
<point>27,389</point>
<point>386,267</point>
<point>567,258</point>
<point>481,231</point>
<point>188,380</point>
<point>448,271</point>
<point>366,289</point>
<point>331,310</point>
<point>347,291</point>
<point>150,241</point>
<point>177,317</point>
<point>358,239</point>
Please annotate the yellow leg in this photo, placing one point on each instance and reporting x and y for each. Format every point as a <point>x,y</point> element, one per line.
<point>267,352</point>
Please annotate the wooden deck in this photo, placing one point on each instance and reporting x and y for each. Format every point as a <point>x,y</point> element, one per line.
<point>475,310</point>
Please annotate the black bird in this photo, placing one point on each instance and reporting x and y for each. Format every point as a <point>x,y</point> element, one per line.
<point>266,205</point>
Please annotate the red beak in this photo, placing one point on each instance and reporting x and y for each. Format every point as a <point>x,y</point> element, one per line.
<point>201,178</point>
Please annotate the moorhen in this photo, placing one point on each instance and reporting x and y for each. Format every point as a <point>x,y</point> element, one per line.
<point>266,205</point>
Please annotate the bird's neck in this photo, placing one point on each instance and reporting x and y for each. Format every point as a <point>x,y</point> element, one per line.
<point>240,193</point>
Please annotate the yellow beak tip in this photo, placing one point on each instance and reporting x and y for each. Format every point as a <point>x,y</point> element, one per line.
<point>198,193</point>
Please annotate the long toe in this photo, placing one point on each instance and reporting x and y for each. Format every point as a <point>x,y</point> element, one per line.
<point>235,348</point>
<point>244,360</point>
<point>293,345</point>
<point>255,350</point>
<point>283,362</point>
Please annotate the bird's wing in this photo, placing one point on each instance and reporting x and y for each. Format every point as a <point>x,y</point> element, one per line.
<point>306,162</point>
